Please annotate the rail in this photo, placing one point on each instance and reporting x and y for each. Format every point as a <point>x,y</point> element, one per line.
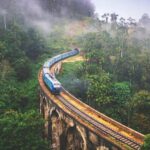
<point>100,124</point>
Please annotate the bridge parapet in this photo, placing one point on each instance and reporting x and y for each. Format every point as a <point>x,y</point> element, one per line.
<point>73,125</point>
<point>65,132</point>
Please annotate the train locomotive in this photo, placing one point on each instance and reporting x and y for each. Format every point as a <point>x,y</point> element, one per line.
<point>49,79</point>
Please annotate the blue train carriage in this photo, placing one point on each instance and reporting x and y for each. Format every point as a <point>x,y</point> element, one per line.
<point>49,79</point>
<point>48,63</point>
<point>46,70</point>
<point>53,84</point>
<point>76,51</point>
<point>72,53</point>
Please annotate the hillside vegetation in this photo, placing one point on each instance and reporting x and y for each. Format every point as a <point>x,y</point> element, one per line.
<point>114,79</point>
<point>28,36</point>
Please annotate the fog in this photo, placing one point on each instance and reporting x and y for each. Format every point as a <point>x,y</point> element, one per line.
<point>33,14</point>
<point>30,12</point>
<point>37,13</point>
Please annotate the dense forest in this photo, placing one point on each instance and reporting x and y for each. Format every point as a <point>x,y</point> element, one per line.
<point>114,79</point>
<point>19,114</point>
<point>54,8</point>
<point>23,49</point>
<point>117,73</point>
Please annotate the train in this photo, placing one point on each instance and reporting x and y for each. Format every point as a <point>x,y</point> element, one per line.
<point>49,78</point>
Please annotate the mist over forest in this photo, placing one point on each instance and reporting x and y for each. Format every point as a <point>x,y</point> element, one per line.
<point>114,78</point>
<point>43,13</point>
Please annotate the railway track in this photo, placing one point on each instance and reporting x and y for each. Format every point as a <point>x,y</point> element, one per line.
<point>99,126</point>
<point>105,126</point>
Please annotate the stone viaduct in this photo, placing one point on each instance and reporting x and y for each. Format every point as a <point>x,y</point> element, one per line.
<point>73,125</point>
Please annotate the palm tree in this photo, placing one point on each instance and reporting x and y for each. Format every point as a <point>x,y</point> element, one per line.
<point>122,21</point>
<point>114,17</point>
<point>131,21</point>
<point>105,15</point>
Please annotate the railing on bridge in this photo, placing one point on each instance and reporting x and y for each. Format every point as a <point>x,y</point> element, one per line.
<point>103,126</point>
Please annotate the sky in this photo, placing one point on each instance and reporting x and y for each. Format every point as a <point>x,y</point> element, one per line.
<point>125,8</point>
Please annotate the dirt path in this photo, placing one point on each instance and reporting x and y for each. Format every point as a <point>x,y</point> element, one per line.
<point>74,59</point>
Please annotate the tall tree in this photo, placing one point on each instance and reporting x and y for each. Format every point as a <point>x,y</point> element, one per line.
<point>114,17</point>
<point>140,105</point>
<point>105,16</point>
<point>146,145</point>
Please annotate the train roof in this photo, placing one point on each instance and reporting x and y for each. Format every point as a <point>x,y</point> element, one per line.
<point>53,79</point>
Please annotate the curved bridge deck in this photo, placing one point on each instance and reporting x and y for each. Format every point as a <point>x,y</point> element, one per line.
<point>103,126</point>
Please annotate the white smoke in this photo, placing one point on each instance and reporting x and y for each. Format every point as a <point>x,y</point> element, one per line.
<point>35,16</point>
<point>31,13</point>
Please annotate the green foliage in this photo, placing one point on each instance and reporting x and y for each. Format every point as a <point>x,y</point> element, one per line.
<point>57,40</point>
<point>9,91</point>
<point>7,72</point>
<point>91,41</point>
<point>69,77</point>
<point>2,50</point>
<point>22,131</point>
<point>121,92</point>
<point>33,44</point>
<point>125,59</point>
<point>23,69</point>
<point>146,145</point>
<point>114,78</point>
<point>21,50</point>
<point>140,105</point>
<point>99,89</point>
<point>19,96</point>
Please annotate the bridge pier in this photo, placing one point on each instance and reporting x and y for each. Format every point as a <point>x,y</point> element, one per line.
<point>69,128</point>
<point>44,109</point>
<point>67,134</point>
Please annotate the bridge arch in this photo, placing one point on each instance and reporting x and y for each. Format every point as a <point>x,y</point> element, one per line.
<point>44,107</point>
<point>83,135</point>
<point>74,139</point>
<point>70,123</point>
<point>54,126</point>
<point>54,111</point>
